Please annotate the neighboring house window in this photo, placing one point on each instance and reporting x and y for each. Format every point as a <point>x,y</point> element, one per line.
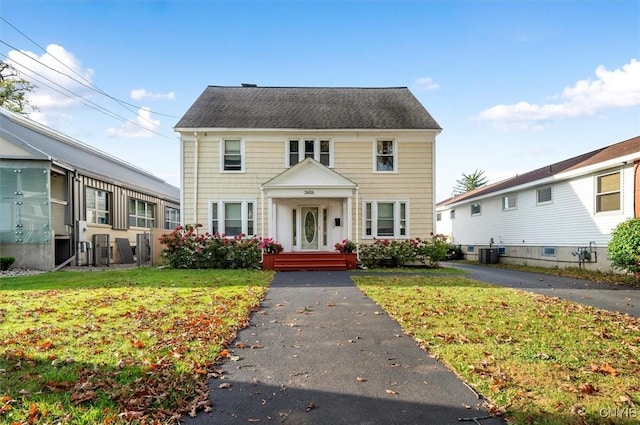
<point>509,202</point>
<point>232,218</point>
<point>385,219</point>
<point>502,250</point>
<point>320,150</point>
<point>171,218</point>
<point>608,192</point>
<point>476,208</point>
<point>232,155</point>
<point>98,206</point>
<point>471,249</point>
<point>452,214</point>
<point>439,217</point>
<point>544,195</point>
<point>548,251</point>
<point>141,213</point>
<point>385,155</point>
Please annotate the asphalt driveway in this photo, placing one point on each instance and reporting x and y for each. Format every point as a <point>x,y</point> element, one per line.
<point>319,352</point>
<point>623,299</point>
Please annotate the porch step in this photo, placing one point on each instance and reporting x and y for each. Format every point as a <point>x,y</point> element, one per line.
<point>309,261</point>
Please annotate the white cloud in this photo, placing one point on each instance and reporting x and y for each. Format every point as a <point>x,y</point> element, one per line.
<point>57,75</point>
<point>619,88</point>
<point>143,94</point>
<point>425,83</point>
<point>142,128</point>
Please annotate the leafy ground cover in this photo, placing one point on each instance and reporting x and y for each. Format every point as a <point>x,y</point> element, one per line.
<point>117,346</point>
<point>540,360</point>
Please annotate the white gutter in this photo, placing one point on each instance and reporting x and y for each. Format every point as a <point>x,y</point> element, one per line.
<point>357,221</point>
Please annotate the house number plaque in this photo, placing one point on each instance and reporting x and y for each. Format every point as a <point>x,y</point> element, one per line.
<point>309,192</point>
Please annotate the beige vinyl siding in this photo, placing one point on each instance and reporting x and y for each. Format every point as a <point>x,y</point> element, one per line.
<point>265,158</point>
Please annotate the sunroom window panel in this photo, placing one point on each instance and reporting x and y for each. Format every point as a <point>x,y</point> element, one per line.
<point>309,148</point>
<point>368,219</point>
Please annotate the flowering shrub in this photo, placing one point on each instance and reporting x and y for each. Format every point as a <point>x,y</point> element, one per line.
<point>345,246</point>
<point>397,253</point>
<point>270,246</point>
<point>185,248</point>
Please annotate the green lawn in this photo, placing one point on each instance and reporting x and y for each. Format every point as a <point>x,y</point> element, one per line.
<point>539,359</point>
<point>108,347</point>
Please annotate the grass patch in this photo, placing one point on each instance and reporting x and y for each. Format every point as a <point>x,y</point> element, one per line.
<point>542,360</point>
<point>117,346</point>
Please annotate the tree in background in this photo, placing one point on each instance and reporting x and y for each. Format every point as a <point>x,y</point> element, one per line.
<point>13,88</point>
<point>624,248</point>
<point>469,182</point>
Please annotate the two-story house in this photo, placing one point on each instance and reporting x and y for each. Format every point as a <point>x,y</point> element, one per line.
<point>559,215</point>
<point>309,166</point>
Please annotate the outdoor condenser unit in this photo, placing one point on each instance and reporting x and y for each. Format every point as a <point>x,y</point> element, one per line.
<point>101,250</point>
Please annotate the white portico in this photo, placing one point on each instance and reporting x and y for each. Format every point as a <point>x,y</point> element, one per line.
<point>310,207</point>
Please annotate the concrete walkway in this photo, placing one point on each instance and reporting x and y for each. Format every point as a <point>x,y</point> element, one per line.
<point>319,352</point>
<point>623,299</point>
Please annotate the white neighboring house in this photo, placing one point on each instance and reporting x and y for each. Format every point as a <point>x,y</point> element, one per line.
<point>561,215</point>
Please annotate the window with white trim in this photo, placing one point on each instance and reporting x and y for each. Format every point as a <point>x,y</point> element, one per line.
<point>141,213</point>
<point>385,219</point>
<point>548,251</point>
<point>319,149</point>
<point>233,217</point>
<point>171,217</point>
<point>476,208</point>
<point>385,156</point>
<point>98,206</point>
<point>509,202</point>
<point>232,155</point>
<point>544,195</point>
<point>608,192</point>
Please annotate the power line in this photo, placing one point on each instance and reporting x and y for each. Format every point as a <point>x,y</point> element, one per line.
<point>90,104</point>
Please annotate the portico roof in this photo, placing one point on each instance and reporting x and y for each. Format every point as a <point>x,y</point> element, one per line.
<point>309,178</point>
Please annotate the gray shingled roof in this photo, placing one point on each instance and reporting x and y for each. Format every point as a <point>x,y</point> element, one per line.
<point>48,144</point>
<point>626,147</point>
<point>307,108</point>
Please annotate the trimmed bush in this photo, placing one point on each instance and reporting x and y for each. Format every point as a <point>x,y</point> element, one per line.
<point>6,262</point>
<point>185,248</point>
<point>624,248</point>
<point>397,253</point>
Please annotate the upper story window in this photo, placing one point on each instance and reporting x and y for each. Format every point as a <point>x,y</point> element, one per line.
<point>232,218</point>
<point>385,219</point>
<point>141,213</point>
<point>509,202</point>
<point>438,216</point>
<point>385,156</point>
<point>544,195</point>
<point>320,150</point>
<point>452,214</point>
<point>171,217</point>
<point>232,155</point>
<point>98,206</point>
<point>608,192</point>
<point>476,208</point>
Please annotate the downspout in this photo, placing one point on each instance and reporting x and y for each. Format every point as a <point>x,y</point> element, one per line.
<point>357,230</point>
<point>195,179</point>
<point>262,221</point>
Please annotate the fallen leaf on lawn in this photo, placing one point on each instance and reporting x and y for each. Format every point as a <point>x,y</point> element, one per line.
<point>361,379</point>
<point>588,389</point>
<point>331,305</point>
<point>224,353</point>
<point>605,369</point>
<point>391,392</point>
<point>240,344</point>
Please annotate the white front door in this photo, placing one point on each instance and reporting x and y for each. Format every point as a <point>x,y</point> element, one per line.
<point>310,225</point>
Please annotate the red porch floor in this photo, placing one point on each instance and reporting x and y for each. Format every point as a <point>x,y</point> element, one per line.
<point>290,261</point>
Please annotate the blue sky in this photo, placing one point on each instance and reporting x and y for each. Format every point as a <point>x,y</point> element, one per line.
<point>515,85</point>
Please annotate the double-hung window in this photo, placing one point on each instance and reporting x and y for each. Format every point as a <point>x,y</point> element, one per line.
<point>544,195</point>
<point>385,155</point>
<point>141,213</point>
<point>476,208</point>
<point>232,155</point>
<point>385,219</point>
<point>608,192</point>
<point>318,149</point>
<point>509,202</point>
<point>171,217</point>
<point>233,217</point>
<point>98,206</point>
